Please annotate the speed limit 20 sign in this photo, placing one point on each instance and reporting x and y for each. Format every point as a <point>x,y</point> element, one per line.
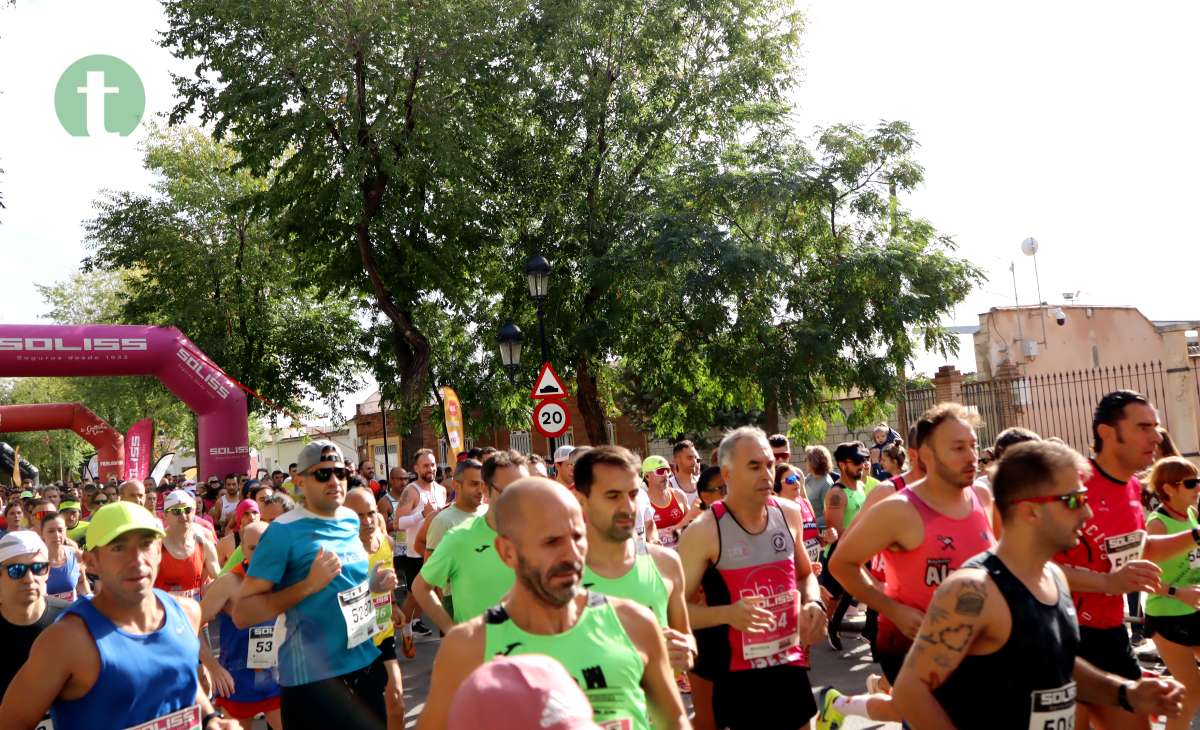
<point>551,419</point>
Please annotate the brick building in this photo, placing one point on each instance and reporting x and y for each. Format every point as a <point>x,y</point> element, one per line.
<point>369,424</point>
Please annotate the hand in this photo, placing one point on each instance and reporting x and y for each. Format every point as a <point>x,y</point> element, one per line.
<point>829,535</point>
<point>204,678</point>
<point>693,512</point>
<point>222,680</point>
<point>384,579</point>
<point>428,510</point>
<point>681,649</point>
<point>746,616</point>
<point>325,567</point>
<point>224,723</point>
<point>1157,696</point>
<point>907,619</point>
<point>813,623</point>
<point>1134,576</point>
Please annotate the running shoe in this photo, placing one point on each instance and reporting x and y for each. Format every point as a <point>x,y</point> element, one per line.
<point>827,717</point>
<point>835,640</point>
<point>407,647</point>
<point>421,629</point>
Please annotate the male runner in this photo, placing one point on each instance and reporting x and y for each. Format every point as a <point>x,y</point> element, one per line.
<point>246,677</point>
<point>670,505</point>
<point>311,565</point>
<point>25,609</point>
<point>133,491</point>
<point>420,501</point>
<point>468,502</point>
<point>1114,556</point>
<point>685,470</point>
<point>923,533</point>
<point>762,596</point>
<point>606,485</point>
<point>843,502</point>
<point>564,470</point>
<point>122,657</point>
<point>466,561</point>
<point>997,646</point>
<point>387,504</point>
<point>189,560</point>
<point>222,511</point>
<point>611,647</point>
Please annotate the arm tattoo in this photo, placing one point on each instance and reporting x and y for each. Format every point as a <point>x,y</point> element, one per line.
<point>836,499</point>
<point>970,599</point>
<point>933,681</point>
<point>936,614</point>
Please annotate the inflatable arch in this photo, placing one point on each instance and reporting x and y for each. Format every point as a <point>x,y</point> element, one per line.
<point>98,350</point>
<point>110,445</point>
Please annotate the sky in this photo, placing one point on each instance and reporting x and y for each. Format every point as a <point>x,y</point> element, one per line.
<point>1067,121</point>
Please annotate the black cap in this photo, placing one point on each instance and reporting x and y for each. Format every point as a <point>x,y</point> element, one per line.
<point>851,451</point>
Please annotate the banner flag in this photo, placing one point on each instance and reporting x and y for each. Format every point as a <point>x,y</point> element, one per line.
<point>454,424</point>
<point>139,445</point>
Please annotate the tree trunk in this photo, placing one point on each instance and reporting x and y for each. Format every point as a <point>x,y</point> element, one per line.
<point>590,405</point>
<point>771,412</point>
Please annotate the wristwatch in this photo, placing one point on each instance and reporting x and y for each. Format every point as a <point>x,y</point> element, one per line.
<point>1196,535</point>
<point>1171,590</point>
<point>1123,697</point>
<point>819,602</point>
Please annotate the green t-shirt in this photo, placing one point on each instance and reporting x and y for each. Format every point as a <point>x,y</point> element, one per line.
<point>1181,570</point>
<point>642,584</point>
<point>467,562</point>
<point>596,652</point>
<point>234,560</point>
<point>445,521</point>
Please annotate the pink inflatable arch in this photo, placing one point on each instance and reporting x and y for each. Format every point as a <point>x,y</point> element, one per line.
<point>110,445</point>
<point>51,350</point>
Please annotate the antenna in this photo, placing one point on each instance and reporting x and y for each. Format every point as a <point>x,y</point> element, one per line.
<point>1030,248</point>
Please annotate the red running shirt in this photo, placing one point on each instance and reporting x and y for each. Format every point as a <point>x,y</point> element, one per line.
<point>666,518</point>
<point>181,577</point>
<point>1117,515</point>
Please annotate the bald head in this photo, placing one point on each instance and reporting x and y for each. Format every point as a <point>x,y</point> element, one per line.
<point>251,534</point>
<point>360,499</point>
<point>133,491</point>
<point>532,501</point>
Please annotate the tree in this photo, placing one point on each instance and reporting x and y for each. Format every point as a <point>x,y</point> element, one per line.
<point>200,255</point>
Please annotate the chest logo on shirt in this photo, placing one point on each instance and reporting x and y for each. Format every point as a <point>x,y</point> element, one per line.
<point>779,543</point>
<point>508,649</point>
<point>946,541</point>
<point>936,570</point>
<point>593,677</point>
<point>481,548</point>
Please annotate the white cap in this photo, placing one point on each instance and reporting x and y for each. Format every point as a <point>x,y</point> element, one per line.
<point>177,498</point>
<point>562,453</point>
<point>21,542</point>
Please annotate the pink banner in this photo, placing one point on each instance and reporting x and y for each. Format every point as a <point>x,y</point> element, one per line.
<point>139,443</point>
<point>50,350</point>
<point>77,417</point>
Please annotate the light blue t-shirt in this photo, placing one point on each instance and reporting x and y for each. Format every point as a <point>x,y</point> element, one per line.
<point>320,628</point>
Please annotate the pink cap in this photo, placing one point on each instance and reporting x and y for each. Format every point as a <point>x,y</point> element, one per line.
<point>246,505</point>
<point>518,693</point>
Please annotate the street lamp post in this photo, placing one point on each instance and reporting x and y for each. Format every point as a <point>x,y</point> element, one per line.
<point>510,339</point>
<point>537,270</point>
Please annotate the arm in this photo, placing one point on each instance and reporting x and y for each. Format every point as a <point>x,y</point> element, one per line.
<point>257,601</point>
<point>878,530</point>
<point>665,706</point>
<point>429,602</point>
<point>1165,547</point>
<point>408,502</point>
<point>212,566</point>
<point>956,620</point>
<point>835,508</point>
<point>681,645</point>
<point>83,587</point>
<point>461,652</point>
<point>1147,696</point>
<point>420,544</point>
<point>695,554</point>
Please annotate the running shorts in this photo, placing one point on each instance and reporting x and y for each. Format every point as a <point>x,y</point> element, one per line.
<point>826,578</point>
<point>1109,650</point>
<point>247,710</point>
<point>772,698</point>
<point>412,566</point>
<point>351,700</point>
<point>1183,630</point>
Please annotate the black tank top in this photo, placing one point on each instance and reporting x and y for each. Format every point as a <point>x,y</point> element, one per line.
<point>17,640</point>
<point>1030,676</point>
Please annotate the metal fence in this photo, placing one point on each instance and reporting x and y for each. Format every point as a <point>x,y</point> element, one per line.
<point>1054,404</point>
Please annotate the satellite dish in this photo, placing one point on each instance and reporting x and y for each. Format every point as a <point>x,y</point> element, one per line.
<point>1029,246</point>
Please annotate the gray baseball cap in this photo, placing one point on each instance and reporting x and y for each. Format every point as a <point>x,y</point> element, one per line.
<point>314,454</point>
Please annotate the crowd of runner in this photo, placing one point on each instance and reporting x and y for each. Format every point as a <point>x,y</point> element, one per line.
<point>998,586</point>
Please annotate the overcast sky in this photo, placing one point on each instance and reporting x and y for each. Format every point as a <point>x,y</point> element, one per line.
<point>1067,121</point>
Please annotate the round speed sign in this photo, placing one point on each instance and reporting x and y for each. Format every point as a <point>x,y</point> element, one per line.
<point>551,419</point>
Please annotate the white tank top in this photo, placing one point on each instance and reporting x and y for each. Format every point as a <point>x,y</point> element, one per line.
<point>435,495</point>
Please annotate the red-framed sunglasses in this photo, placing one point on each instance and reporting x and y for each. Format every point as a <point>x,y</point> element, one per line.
<point>1073,500</point>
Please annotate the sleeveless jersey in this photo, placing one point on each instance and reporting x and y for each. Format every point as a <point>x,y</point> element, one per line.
<point>812,533</point>
<point>854,502</point>
<point>142,677</point>
<point>381,602</point>
<point>749,565</point>
<point>1113,536</point>
<point>876,568</point>
<point>665,519</point>
<point>181,576</point>
<point>1179,571</point>
<point>596,652</point>
<point>1027,682</point>
<point>641,584</point>
<point>435,495</point>
<point>399,537</point>
<point>242,653</point>
<point>913,575</point>
<point>64,578</point>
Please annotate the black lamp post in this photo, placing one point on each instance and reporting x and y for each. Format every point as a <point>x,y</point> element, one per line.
<point>510,339</point>
<point>538,271</point>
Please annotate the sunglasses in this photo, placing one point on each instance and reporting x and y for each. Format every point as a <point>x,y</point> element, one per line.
<point>179,511</point>
<point>41,514</point>
<point>791,479</point>
<point>784,455</point>
<point>1073,500</point>
<point>663,471</point>
<point>709,490</point>
<point>323,475</point>
<point>17,571</point>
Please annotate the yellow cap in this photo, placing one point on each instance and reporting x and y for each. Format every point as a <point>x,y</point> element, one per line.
<point>113,520</point>
<point>652,462</point>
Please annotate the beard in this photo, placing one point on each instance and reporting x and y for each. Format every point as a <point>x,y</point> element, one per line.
<point>951,476</point>
<point>620,534</point>
<point>538,583</point>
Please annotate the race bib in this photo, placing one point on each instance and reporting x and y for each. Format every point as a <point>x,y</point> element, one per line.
<point>68,596</point>
<point>46,724</point>
<point>1052,709</point>
<point>783,633</point>
<point>812,546</point>
<point>1123,548</point>
<point>383,611</point>
<point>179,592</point>
<point>186,719</point>
<point>623,723</point>
<point>359,614</point>
<point>262,651</point>
<point>1193,558</point>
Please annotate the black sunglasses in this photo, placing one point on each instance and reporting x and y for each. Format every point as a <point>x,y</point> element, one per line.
<point>1191,483</point>
<point>322,475</point>
<point>17,571</point>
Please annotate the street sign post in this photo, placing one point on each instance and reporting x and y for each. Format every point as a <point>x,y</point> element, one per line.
<point>551,418</point>
<point>548,384</point>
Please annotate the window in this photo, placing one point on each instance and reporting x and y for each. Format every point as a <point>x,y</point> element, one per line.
<point>567,439</point>
<point>444,450</point>
<point>520,442</point>
<point>377,457</point>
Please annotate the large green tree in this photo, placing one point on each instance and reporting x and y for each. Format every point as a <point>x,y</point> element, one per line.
<point>200,255</point>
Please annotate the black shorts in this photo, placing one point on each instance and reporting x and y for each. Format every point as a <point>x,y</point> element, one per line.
<point>1109,650</point>
<point>826,578</point>
<point>387,648</point>
<point>351,700</point>
<point>889,664</point>
<point>785,699</point>
<point>411,566</point>
<point>1183,630</point>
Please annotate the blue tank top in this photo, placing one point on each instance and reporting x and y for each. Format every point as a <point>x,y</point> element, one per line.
<point>142,677</point>
<point>64,578</point>
<point>249,685</point>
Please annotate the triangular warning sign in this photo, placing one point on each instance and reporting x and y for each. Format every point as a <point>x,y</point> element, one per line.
<point>548,384</point>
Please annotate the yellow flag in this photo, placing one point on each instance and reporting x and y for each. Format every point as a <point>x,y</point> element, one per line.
<point>454,424</point>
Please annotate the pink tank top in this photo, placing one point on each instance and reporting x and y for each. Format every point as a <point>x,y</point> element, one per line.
<point>913,575</point>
